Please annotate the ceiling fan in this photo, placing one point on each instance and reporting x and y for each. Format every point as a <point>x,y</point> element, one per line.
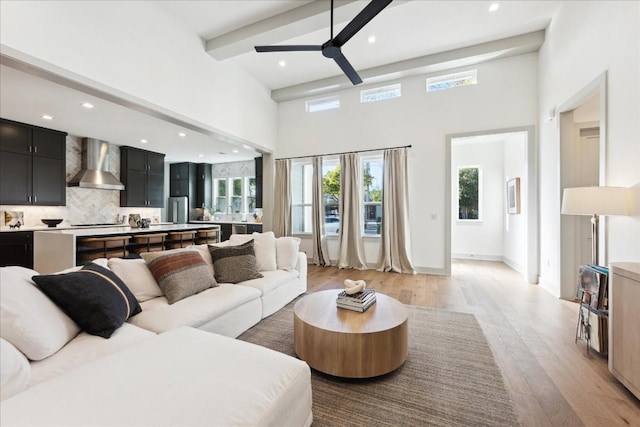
<point>332,47</point>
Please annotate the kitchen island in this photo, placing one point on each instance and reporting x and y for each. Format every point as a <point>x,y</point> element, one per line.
<point>226,226</point>
<point>56,250</point>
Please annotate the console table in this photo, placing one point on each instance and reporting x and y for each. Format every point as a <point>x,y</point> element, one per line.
<point>624,318</point>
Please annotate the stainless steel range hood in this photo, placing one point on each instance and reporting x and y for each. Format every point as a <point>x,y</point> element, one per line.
<point>95,167</point>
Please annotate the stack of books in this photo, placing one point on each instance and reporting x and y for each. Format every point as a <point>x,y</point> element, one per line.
<point>360,301</point>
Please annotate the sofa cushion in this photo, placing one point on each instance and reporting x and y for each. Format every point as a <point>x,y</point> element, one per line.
<point>14,370</point>
<point>264,247</point>
<point>233,264</point>
<point>287,249</point>
<point>94,297</point>
<point>159,316</point>
<point>86,348</point>
<point>28,319</point>
<point>271,280</point>
<point>137,276</point>
<point>185,377</point>
<point>180,273</point>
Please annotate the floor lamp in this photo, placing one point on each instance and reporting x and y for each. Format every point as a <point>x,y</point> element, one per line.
<point>595,201</point>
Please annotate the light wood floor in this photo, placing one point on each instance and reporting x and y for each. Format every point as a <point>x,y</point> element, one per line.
<point>552,380</point>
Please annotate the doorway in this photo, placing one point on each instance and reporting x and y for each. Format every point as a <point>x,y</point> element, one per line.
<point>582,159</point>
<point>500,156</point>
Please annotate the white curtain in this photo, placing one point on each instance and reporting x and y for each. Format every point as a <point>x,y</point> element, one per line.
<point>395,243</point>
<point>320,250</point>
<point>351,248</point>
<point>282,199</point>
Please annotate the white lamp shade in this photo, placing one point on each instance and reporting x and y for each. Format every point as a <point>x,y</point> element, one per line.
<point>595,201</point>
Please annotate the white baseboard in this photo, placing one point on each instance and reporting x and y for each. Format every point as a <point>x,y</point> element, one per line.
<point>549,287</point>
<point>478,257</point>
<point>514,265</point>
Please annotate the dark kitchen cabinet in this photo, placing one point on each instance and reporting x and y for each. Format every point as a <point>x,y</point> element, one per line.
<point>142,173</point>
<point>258,161</point>
<point>183,181</point>
<point>193,181</point>
<point>16,248</point>
<point>32,165</point>
<point>203,185</point>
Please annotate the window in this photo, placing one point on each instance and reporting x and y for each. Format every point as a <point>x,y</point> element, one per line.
<point>251,194</point>
<point>331,194</point>
<point>322,104</point>
<point>220,194</point>
<point>236,195</point>
<point>381,93</point>
<point>468,193</point>
<point>449,81</point>
<point>372,200</point>
<point>301,196</point>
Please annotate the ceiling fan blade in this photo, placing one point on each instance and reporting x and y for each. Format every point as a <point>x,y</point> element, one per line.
<point>348,69</point>
<point>288,48</point>
<point>361,19</point>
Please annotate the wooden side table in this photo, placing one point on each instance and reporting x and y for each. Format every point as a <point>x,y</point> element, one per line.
<point>347,343</point>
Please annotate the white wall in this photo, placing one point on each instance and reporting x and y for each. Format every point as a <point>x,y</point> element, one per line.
<point>137,48</point>
<point>515,226</point>
<point>584,40</point>
<point>479,239</point>
<point>505,97</point>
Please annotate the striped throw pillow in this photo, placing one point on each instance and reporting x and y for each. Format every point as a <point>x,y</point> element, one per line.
<point>179,273</point>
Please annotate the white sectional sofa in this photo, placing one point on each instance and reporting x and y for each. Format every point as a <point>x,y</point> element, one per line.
<point>171,364</point>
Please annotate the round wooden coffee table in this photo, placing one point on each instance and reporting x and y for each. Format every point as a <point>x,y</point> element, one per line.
<point>347,343</point>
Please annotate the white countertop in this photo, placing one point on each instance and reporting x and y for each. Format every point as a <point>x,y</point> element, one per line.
<point>110,230</point>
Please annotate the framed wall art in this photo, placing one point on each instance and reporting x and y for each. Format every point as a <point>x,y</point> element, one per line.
<point>513,196</point>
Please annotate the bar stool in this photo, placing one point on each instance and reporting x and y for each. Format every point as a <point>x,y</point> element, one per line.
<point>148,243</point>
<point>180,239</point>
<point>208,236</point>
<point>90,248</point>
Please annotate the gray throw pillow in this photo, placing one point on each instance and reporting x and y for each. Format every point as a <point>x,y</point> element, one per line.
<point>179,273</point>
<point>234,264</point>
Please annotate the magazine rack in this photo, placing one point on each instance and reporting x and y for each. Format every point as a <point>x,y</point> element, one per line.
<point>593,295</point>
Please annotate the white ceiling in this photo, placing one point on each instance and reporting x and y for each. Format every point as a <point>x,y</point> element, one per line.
<point>404,30</point>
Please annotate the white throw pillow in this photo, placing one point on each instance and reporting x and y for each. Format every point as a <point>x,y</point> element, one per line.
<point>204,253</point>
<point>136,275</point>
<point>14,370</point>
<point>28,318</point>
<point>264,246</point>
<point>287,249</point>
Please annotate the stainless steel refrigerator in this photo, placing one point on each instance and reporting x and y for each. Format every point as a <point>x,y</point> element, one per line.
<point>178,210</point>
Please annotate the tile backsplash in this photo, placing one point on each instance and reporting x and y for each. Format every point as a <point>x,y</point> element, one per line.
<point>84,205</point>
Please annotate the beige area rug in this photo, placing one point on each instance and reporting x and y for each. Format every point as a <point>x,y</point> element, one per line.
<point>449,379</point>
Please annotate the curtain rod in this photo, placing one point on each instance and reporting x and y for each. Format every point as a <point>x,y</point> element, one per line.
<point>344,152</point>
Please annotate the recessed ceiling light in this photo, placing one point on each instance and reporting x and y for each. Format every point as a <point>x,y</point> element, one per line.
<point>494,7</point>
<point>282,63</point>
<point>200,155</point>
<point>144,141</point>
<point>87,105</point>
<point>47,117</point>
<point>182,134</point>
<point>371,39</point>
<point>235,151</point>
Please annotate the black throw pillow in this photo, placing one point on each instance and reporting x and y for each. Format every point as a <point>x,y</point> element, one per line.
<point>94,297</point>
